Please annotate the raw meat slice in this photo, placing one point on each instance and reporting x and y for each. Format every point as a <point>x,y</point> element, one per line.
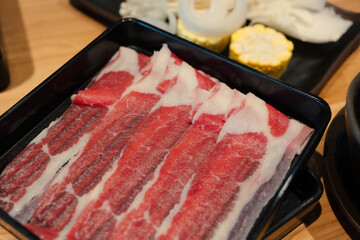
<point>108,139</point>
<point>124,69</point>
<point>164,196</point>
<point>133,171</point>
<point>265,192</point>
<point>212,190</point>
<point>203,80</point>
<point>45,155</point>
<point>125,60</point>
<point>66,131</point>
<point>151,149</point>
<point>118,126</point>
<point>245,157</point>
<point>15,178</point>
<point>168,120</point>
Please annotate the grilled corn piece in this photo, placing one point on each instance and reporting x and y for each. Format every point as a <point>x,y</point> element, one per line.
<point>215,44</point>
<point>262,48</point>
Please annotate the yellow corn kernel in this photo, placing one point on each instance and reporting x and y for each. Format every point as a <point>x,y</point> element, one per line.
<point>262,48</point>
<point>215,44</point>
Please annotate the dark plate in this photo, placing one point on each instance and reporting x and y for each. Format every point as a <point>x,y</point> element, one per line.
<point>298,206</point>
<point>20,124</point>
<point>344,194</point>
<point>311,66</point>
<point>352,120</point>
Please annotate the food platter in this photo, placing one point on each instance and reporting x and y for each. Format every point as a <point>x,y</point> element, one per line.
<point>28,117</point>
<point>310,68</point>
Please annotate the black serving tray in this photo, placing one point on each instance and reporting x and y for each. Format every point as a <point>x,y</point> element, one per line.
<point>21,123</point>
<point>311,66</point>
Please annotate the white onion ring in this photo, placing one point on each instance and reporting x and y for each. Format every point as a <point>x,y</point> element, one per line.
<point>216,21</point>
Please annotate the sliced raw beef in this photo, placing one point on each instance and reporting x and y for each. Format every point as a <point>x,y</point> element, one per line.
<point>124,69</point>
<point>103,148</point>
<point>144,153</point>
<point>31,172</point>
<point>250,147</point>
<point>166,193</point>
<point>27,175</point>
<point>152,149</point>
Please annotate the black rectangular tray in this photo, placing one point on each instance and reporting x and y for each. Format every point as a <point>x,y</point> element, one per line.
<point>311,66</point>
<point>21,123</point>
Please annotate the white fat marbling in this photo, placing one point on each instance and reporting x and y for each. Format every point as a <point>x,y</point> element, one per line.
<point>274,153</point>
<point>87,198</point>
<point>183,92</point>
<point>159,62</point>
<point>25,206</point>
<point>252,118</point>
<point>125,59</point>
<point>218,103</point>
<point>139,198</point>
<point>166,223</point>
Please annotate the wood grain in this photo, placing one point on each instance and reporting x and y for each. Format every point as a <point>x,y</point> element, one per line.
<point>39,36</point>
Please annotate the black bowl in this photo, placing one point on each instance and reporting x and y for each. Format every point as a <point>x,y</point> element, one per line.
<point>352,116</point>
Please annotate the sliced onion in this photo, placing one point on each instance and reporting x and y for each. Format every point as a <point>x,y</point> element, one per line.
<point>314,5</point>
<point>216,21</point>
<point>129,8</point>
<point>167,21</point>
<point>150,11</point>
<point>299,20</point>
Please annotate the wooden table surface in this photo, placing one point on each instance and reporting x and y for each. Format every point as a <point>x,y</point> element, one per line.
<point>39,36</point>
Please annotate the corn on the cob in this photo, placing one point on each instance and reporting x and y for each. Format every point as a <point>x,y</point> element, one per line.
<point>262,48</point>
<point>215,44</point>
